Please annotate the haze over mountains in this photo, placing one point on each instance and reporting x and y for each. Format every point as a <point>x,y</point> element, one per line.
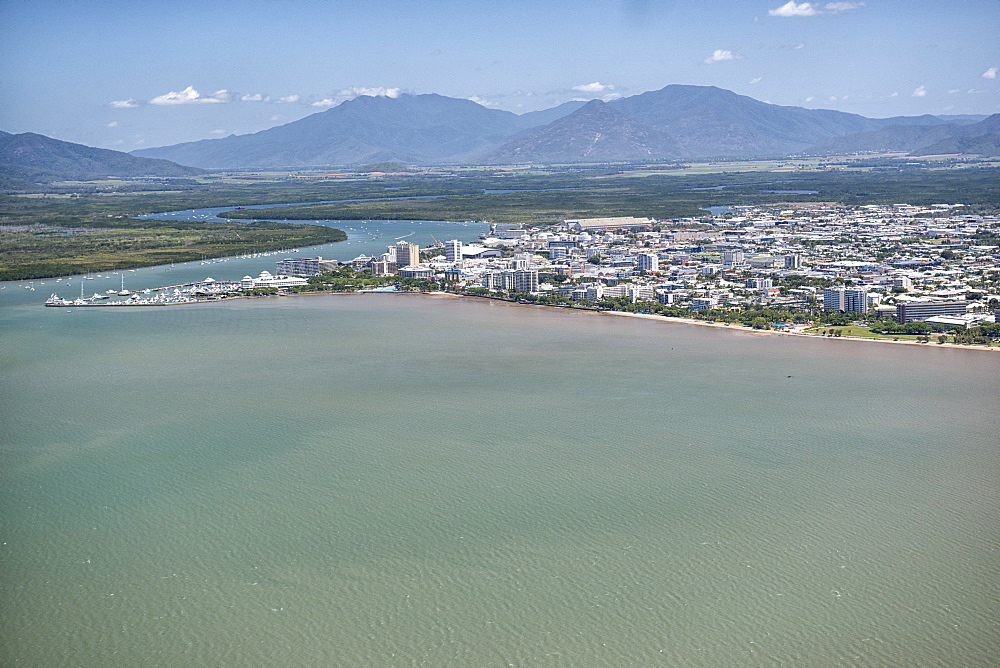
<point>675,122</point>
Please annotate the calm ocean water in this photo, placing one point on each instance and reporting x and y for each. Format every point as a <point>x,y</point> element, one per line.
<point>394,480</point>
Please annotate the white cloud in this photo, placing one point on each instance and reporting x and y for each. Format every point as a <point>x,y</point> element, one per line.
<point>954,90</point>
<point>894,94</point>
<point>112,124</point>
<point>288,99</point>
<point>218,132</point>
<point>190,96</point>
<point>255,97</point>
<point>792,8</point>
<point>276,117</point>
<point>596,87</point>
<point>810,98</point>
<point>919,91</point>
<point>379,91</point>
<point>124,104</point>
<point>755,80</point>
<point>990,73</point>
<point>482,101</point>
<point>975,91</point>
<point>345,94</point>
<point>719,55</point>
<point>799,46</point>
<point>611,96</point>
<point>839,7</point>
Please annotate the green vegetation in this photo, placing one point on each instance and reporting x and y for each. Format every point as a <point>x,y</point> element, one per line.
<point>79,227</point>
<point>41,251</point>
<point>589,193</point>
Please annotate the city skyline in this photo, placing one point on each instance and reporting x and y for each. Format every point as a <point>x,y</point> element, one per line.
<point>135,75</point>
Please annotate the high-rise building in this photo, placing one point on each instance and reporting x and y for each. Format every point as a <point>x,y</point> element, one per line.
<point>758,283</point>
<point>383,268</point>
<point>517,280</point>
<point>407,254</point>
<point>526,280</point>
<point>732,258</point>
<point>453,250</point>
<point>793,261</point>
<point>299,266</point>
<point>846,300</point>
<point>647,262</point>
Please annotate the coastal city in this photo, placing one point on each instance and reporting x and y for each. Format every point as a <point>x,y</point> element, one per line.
<point>877,270</point>
<point>929,270</point>
<point>926,269</point>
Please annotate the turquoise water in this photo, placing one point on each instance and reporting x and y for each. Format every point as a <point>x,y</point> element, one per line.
<point>409,480</point>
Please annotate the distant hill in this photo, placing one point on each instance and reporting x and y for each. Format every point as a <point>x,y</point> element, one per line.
<point>385,167</point>
<point>592,133</point>
<point>675,121</point>
<point>537,119</point>
<point>987,145</point>
<point>710,121</point>
<point>39,159</point>
<point>907,138</point>
<point>412,129</point>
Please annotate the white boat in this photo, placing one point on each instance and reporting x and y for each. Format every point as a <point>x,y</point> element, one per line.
<point>54,300</point>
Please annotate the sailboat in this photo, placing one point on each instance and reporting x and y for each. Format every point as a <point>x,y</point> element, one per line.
<point>123,292</point>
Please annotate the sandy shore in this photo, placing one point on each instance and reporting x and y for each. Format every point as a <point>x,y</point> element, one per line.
<point>781,332</point>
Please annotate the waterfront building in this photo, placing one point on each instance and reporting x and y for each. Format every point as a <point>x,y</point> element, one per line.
<point>921,311</point>
<point>704,303</point>
<point>595,292</point>
<point>845,300</point>
<point>453,250</point>
<point>415,272</point>
<point>268,280</point>
<point>383,268</point>
<point>299,266</point>
<point>407,254</point>
<point>526,280</point>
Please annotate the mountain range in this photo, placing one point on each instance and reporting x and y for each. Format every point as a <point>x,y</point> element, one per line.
<point>674,123</point>
<point>35,158</point>
<point>678,122</point>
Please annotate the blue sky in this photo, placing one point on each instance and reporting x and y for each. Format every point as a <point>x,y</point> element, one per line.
<point>141,73</point>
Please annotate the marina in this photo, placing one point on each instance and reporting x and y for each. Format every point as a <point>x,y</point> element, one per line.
<point>170,295</point>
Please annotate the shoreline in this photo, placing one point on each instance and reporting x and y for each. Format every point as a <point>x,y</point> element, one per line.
<point>647,316</point>
<point>707,323</point>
